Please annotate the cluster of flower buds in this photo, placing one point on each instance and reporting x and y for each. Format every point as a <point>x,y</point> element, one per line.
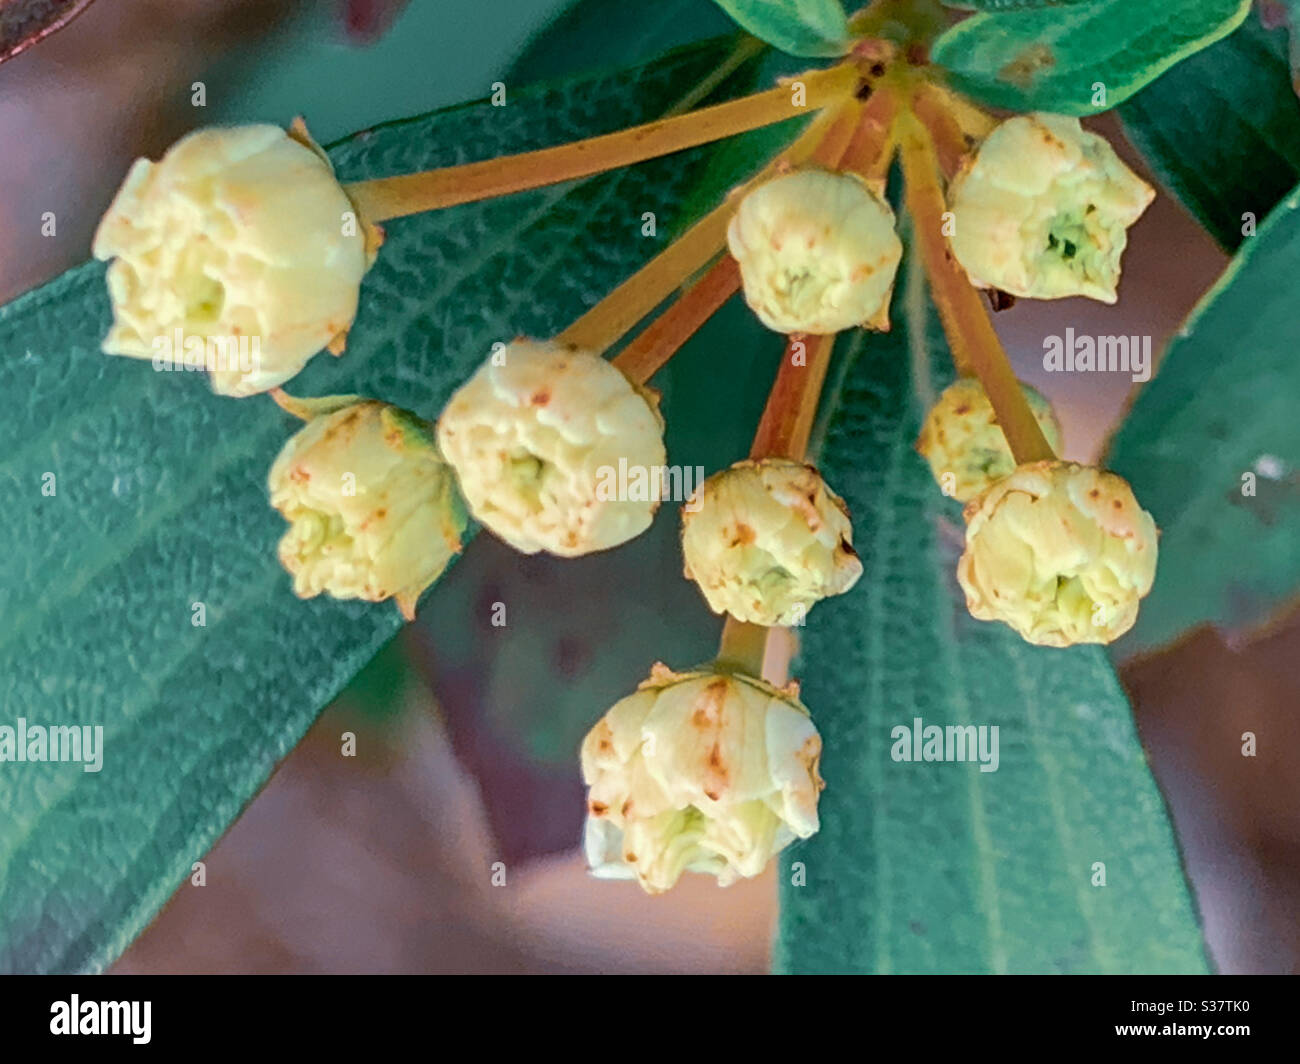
<point>1060,552</point>
<point>245,232</point>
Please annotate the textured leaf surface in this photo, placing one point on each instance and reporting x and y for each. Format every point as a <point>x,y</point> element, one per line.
<point>1223,405</point>
<point>938,867</point>
<point>161,503</point>
<point>1222,129</point>
<point>1014,5</point>
<point>798,27</point>
<point>1051,58</point>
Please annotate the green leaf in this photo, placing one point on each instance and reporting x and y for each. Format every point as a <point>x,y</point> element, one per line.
<point>1053,59</point>
<point>939,867</point>
<point>1223,406</point>
<point>1014,5</point>
<point>799,27</point>
<point>161,503</point>
<point>1222,129</point>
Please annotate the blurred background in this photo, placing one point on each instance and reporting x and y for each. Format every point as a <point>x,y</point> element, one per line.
<point>449,843</point>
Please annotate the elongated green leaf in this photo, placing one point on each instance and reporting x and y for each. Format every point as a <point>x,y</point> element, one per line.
<point>938,866</point>
<point>1222,129</point>
<point>1014,5</point>
<point>1080,59</point>
<point>1212,446</point>
<point>799,27</point>
<point>159,503</point>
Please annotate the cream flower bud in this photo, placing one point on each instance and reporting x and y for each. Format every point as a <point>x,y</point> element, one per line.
<point>540,434</point>
<point>702,771</point>
<point>373,509</point>
<point>817,252</point>
<point>1060,552</point>
<point>766,539</point>
<point>963,443</point>
<point>1042,210</point>
<point>239,244</point>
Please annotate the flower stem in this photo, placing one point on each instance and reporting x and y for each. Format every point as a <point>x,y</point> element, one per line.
<point>743,646</point>
<point>652,349</point>
<point>787,420</point>
<point>975,345</point>
<point>610,319</point>
<point>747,48</point>
<point>953,138</point>
<point>393,197</point>
<point>840,127</point>
<point>974,122</point>
<point>871,149</point>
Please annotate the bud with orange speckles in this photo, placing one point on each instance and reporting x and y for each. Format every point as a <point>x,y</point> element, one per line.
<point>1060,552</point>
<point>767,539</point>
<point>817,252</point>
<point>238,232</point>
<point>531,435</point>
<point>964,444</point>
<point>373,509</point>
<point>705,771</point>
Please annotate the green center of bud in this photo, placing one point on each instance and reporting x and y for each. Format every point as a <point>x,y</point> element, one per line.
<point>528,474</point>
<point>1080,241</point>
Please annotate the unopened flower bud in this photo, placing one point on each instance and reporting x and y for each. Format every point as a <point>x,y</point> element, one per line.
<point>539,437</point>
<point>1060,552</point>
<point>817,252</point>
<point>373,508</point>
<point>239,243</point>
<point>703,771</point>
<point>767,539</point>
<point>1042,210</point>
<point>964,444</point>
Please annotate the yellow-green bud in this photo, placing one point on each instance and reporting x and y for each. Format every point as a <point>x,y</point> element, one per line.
<point>373,509</point>
<point>1042,210</point>
<point>703,771</point>
<point>1060,552</point>
<point>766,539</point>
<point>238,246</point>
<point>535,435</point>
<point>964,444</point>
<point>817,252</point>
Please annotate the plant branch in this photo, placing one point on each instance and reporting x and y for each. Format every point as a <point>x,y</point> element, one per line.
<point>611,318</point>
<point>871,149</point>
<point>951,145</point>
<point>840,126</point>
<point>787,420</point>
<point>393,197</point>
<point>974,342</point>
<point>974,122</point>
<point>954,137</point>
<point>747,48</point>
<point>656,344</point>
